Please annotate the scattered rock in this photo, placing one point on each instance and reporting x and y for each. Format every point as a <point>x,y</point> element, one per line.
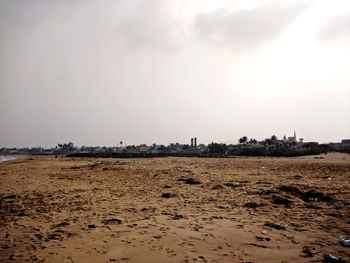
<point>275,226</point>
<point>112,221</point>
<point>253,205</point>
<point>54,236</point>
<point>314,195</point>
<point>39,236</point>
<point>62,224</point>
<point>9,197</point>
<point>312,206</point>
<point>280,200</point>
<point>256,245</point>
<point>336,214</point>
<point>233,185</point>
<point>92,226</point>
<point>34,258</point>
<point>263,182</point>
<point>168,195</point>
<point>218,187</point>
<point>148,209</point>
<point>311,195</point>
<point>23,213</point>
<point>177,216</point>
<point>260,238</point>
<point>188,180</point>
<point>4,246</point>
<point>223,206</point>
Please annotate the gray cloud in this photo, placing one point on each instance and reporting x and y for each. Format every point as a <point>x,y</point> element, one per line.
<point>247,28</point>
<point>153,25</point>
<point>95,72</point>
<point>336,28</point>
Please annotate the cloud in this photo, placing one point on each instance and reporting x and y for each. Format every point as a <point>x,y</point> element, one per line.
<point>249,27</point>
<point>336,28</point>
<point>153,24</point>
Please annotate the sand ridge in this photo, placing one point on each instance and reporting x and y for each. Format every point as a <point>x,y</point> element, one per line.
<point>173,209</point>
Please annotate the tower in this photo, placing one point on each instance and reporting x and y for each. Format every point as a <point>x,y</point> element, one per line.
<point>191,142</point>
<point>195,141</point>
<point>295,136</point>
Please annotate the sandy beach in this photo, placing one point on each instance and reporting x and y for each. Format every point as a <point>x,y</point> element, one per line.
<point>174,209</point>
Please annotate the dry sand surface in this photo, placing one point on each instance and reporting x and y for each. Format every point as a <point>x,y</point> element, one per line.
<point>173,209</point>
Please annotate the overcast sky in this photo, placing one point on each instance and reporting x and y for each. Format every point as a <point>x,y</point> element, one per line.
<point>160,71</point>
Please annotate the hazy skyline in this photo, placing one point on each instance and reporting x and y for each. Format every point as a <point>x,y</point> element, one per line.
<point>161,71</point>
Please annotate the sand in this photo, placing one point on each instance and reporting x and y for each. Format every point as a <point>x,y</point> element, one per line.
<point>174,209</point>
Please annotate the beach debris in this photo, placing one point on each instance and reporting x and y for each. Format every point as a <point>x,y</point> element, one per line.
<point>148,209</point>
<point>233,185</point>
<point>336,214</point>
<point>177,216</point>
<point>312,206</point>
<point>329,258</point>
<point>54,236</point>
<point>275,226</point>
<point>260,238</point>
<point>253,205</point>
<point>174,215</point>
<point>279,200</point>
<point>345,242</point>
<point>308,252</point>
<point>264,182</point>
<point>218,187</point>
<point>311,195</point>
<point>12,196</point>
<point>168,195</point>
<point>189,180</point>
<point>112,221</point>
<point>39,236</point>
<point>23,213</point>
<point>256,245</point>
<point>314,195</point>
<point>62,224</point>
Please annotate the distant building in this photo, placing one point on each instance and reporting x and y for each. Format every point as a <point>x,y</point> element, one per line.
<point>345,142</point>
<point>292,139</point>
<point>143,148</point>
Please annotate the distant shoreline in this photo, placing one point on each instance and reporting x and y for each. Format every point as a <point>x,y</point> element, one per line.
<point>7,158</point>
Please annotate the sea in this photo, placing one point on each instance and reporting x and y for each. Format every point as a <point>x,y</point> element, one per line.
<point>7,158</point>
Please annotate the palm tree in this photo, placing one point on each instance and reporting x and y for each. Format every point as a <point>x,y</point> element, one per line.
<point>252,141</point>
<point>243,140</point>
<point>273,138</point>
